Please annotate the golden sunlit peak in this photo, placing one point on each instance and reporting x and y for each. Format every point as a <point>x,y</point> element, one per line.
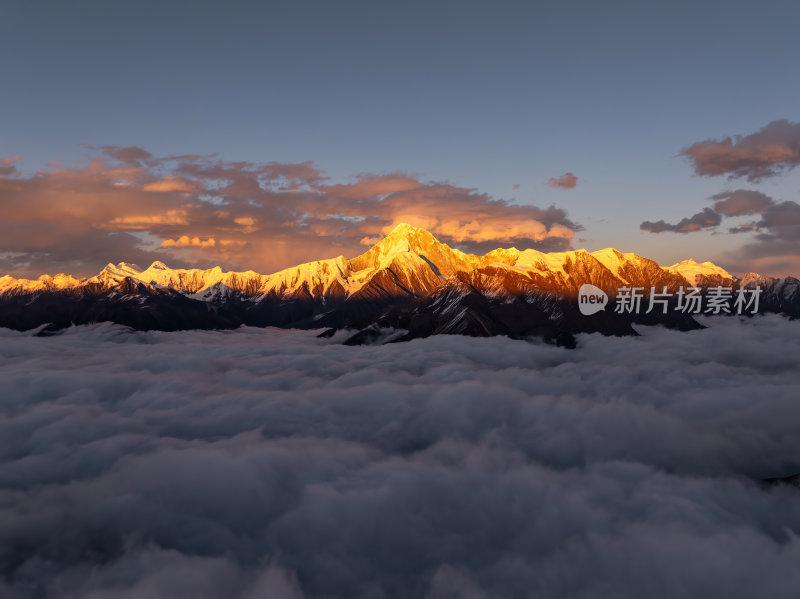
<point>404,228</point>
<point>405,237</point>
<point>407,231</point>
<point>122,269</point>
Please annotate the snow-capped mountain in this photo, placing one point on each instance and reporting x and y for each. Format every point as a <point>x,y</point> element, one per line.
<point>409,259</point>
<point>408,280</point>
<point>11,286</point>
<point>697,273</point>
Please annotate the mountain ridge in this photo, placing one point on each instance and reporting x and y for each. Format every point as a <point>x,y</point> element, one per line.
<point>443,260</point>
<point>408,282</point>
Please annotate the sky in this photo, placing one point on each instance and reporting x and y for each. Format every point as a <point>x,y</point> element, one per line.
<point>264,134</point>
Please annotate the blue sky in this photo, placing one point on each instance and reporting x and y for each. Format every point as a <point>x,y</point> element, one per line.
<point>481,95</point>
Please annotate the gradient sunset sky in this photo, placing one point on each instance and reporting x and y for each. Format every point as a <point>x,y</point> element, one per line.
<point>264,134</point>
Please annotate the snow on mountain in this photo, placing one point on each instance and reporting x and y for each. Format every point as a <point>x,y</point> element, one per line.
<point>121,270</point>
<point>788,289</point>
<point>184,280</point>
<point>615,261</point>
<point>10,285</point>
<point>218,292</point>
<point>409,261</point>
<point>751,277</point>
<point>406,239</point>
<point>694,271</point>
<point>408,281</point>
<point>318,278</point>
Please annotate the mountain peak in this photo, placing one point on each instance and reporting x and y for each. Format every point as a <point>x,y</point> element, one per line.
<point>694,271</point>
<point>410,232</point>
<point>749,278</point>
<point>403,229</point>
<point>406,238</point>
<point>121,270</point>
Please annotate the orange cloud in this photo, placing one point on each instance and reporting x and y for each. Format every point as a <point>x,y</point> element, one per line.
<point>477,230</point>
<point>127,204</point>
<point>184,242</point>
<point>246,225</point>
<point>168,184</point>
<point>374,185</point>
<point>146,222</point>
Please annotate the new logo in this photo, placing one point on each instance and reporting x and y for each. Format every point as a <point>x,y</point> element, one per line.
<point>591,299</point>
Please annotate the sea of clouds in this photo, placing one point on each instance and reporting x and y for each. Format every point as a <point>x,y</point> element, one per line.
<point>269,463</point>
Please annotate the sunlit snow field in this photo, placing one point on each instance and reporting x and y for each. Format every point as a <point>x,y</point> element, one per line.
<point>270,463</point>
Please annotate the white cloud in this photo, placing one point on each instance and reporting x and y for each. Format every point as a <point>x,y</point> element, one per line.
<point>250,462</point>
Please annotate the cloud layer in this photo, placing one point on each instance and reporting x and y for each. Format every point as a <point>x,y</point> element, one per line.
<point>126,204</point>
<point>270,463</point>
<point>766,153</point>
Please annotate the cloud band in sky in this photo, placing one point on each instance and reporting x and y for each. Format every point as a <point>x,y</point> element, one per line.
<point>126,204</point>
